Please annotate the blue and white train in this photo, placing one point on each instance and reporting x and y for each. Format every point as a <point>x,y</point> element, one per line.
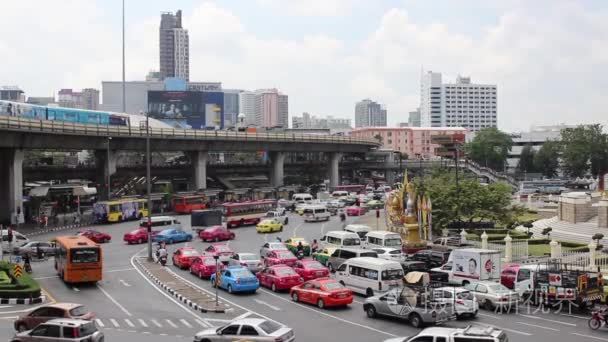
<point>92,117</point>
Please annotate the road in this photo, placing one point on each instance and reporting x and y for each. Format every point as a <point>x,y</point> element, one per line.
<point>129,306</point>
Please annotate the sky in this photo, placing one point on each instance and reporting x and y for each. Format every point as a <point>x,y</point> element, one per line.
<point>549,58</point>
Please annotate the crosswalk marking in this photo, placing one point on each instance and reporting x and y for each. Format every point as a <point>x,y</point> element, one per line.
<point>114,322</point>
<point>129,323</point>
<point>156,323</point>
<point>185,323</point>
<point>171,323</point>
<point>203,324</point>
<point>99,322</point>
<point>142,322</point>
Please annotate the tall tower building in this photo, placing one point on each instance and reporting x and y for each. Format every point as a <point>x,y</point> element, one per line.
<point>370,114</point>
<point>174,47</point>
<point>247,106</point>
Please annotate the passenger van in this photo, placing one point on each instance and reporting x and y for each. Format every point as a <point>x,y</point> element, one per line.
<point>370,276</point>
<point>339,238</point>
<point>339,194</point>
<point>340,255</point>
<point>302,198</point>
<point>383,238</point>
<point>314,213</point>
<point>359,229</point>
<point>162,222</point>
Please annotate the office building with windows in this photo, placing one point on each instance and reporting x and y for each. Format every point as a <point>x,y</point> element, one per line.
<point>369,114</point>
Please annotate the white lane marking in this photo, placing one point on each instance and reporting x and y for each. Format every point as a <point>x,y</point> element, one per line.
<point>575,316</point>
<point>514,331</point>
<point>100,323</point>
<point>548,320</point>
<point>49,277</point>
<point>184,322</point>
<point>261,302</point>
<point>142,322</point>
<point>589,336</point>
<point>124,283</point>
<point>122,308</point>
<point>171,323</point>
<point>113,321</point>
<point>75,289</point>
<point>129,323</point>
<point>245,315</point>
<point>5,306</point>
<point>537,326</point>
<point>203,324</point>
<point>156,323</point>
<point>119,270</point>
<point>328,315</point>
<point>218,320</point>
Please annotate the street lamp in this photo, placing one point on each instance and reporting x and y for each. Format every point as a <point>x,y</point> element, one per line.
<point>149,186</point>
<point>217,277</point>
<point>108,168</point>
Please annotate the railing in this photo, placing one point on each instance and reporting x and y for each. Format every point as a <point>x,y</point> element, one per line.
<point>61,127</point>
<point>519,248</point>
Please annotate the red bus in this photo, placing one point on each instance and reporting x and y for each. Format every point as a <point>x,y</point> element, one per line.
<point>185,204</point>
<point>356,188</point>
<point>244,213</point>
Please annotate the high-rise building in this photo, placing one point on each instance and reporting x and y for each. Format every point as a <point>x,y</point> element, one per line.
<point>12,93</point>
<point>231,107</point>
<point>461,104</point>
<point>88,98</point>
<point>271,108</point>
<point>414,118</point>
<point>312,122</point>
<point>370,114</point>
<point>174,47</point>
<point>247,106</point>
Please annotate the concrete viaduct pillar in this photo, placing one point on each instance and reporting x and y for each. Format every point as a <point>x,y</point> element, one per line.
<point>199,164</point>
<point>104,165</point>
<point>276,172</point>
<point>334,169</point>
<point>389,174</point>
<point>11,184</point>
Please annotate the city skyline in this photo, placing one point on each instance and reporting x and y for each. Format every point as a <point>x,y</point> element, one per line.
<point>517,46</point>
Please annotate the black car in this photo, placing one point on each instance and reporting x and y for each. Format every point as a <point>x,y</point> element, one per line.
<point>431,258</point>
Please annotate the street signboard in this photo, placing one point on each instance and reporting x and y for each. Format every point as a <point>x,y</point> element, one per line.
<point>17,271</point>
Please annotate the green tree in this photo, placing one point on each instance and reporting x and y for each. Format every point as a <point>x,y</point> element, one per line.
<point>526,159</point>
<point>546,160</point>
<point>584,148</point>
<point>490,147</point>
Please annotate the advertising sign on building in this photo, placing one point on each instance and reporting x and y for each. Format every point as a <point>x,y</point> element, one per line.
<point>180,109</point>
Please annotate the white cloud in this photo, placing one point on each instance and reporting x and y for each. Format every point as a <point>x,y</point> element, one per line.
<point>324,8</point>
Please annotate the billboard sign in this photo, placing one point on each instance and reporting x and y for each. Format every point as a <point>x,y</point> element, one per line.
<point>180,109</point>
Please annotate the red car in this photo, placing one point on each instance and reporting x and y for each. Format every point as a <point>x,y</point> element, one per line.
<point>220,249</point>
<point>183,257</point>
<point>216,233</point>
<point>322,292</point>
<point>279,277</point>
<point>138,236</point>
<point>278,257</point>
<point>355,211</point>
<point>203,266</point>
<point>95,236</point>
<point>310,269</point>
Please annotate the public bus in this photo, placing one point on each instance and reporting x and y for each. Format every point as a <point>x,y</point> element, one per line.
<point>120,210</point>
<point>246,213</point>
<point>185,204</point>
<point>356,188</point>
<point>78,259</point>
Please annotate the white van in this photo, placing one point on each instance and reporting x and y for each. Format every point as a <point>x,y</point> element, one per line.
<point>369,276</point>
<point>18,240</point>
<point>383,238</point>
<point>339,194</point>
<point>314,213</point>
<point>359,229</point>
<point>302,198</point>
<point>339,238</point>
<point>162,222</point>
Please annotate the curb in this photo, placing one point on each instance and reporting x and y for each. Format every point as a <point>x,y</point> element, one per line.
<point>175,294</point>
<point>56,229</point>
<point>24,301</point>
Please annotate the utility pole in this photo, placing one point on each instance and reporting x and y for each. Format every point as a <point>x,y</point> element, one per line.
<point>124,92</point>
<point>109,195</point>
<point>149,186</point>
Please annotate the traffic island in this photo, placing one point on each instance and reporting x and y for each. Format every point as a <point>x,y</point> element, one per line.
<point>18,287</point>
<point>178,288</point>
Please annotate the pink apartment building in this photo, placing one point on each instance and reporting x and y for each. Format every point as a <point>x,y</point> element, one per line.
<point>414,141</point>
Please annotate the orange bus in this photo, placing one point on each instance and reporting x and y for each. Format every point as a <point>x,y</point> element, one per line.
<point>185,204</point>
<point>78,259</point>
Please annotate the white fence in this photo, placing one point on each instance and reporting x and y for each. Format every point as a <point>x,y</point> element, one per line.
<point>583,260</point>
<point>519,248</point>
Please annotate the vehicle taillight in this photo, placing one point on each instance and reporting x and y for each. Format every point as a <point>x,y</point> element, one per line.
<point>76,332</point>
<point>460,301</point>
<point>244,264</point>
<point>503,299</point>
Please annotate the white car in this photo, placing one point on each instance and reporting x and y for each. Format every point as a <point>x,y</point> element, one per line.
<point>248,329</point>
<point>491,295</point>
<point>271,246</point>
<point>389,253</point>
<point>464,302</point>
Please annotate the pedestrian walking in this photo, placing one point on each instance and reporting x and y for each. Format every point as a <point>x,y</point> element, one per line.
<point>45,221</point>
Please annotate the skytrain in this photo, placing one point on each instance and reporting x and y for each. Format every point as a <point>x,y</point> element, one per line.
<point>92,117</point>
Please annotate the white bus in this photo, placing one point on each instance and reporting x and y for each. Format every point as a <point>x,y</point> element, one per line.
<point>337,239</point>
<point>314,213</point>
<point>370,276</point>
<point>383,238</point>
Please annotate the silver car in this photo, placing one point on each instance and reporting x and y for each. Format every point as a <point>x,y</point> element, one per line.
<point>61,329</point>
<point>271,246</point>
<point>465,304</point>
<point>248,329</point>
<point>249,260</point>
<point>491,295</point>
<point>31,248</point>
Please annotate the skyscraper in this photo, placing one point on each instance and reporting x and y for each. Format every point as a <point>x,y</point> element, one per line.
<point>370,114</point>
<point>271,108</point>
<point>231,106</point>
<point>247,106</point>
<point>174,47</point>
<point>461,104</point>
<point>414,118</point>
<point>88,98</point>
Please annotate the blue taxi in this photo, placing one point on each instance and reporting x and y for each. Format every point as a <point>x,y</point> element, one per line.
<point>235,279</point>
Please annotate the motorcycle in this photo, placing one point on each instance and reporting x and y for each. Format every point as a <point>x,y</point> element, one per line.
<point>598,317</point>
<point>163,260</point>
<point>300,255</point>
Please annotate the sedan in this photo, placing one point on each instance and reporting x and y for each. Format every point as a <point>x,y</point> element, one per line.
<point>235,279</point>
<point>138,236</point>
<point>244,329</point>
<point>203,266</point>
<point>171,236</point>
<point>269,226</point>
<point>216,233</point>
<point>184,256</point>
<point>461,299</point>
<point>322,292</point>
<point>492,295</point>
<point>310,269</point>
<point>31,248</point>
<point>280,257</point>
<point>52,311</point>
<point>96,236</point>
<point>389,253</point>
<point>355,211</point>
<point>249,260</point>
<point>271,246</point>
<point>279,277</point>
<point>323,255</point>
<point>220,250</point>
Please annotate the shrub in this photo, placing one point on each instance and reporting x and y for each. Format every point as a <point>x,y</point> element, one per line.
<point>22,287</point>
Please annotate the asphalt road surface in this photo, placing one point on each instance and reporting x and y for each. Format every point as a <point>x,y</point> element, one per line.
<point>129,307</point>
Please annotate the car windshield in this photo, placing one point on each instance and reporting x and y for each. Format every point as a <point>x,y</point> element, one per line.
<point>284,271</point>
<point>210,230</point>
<point>78,311</point>
<point>396,251</point>
<point>84,255</point>
<point>362,234</point>
<point>498,287</point>
<point>394,274</point>
<point>333,286</point>
<point>189,252</point>
<point>269,327</point>
<point>248,257</point>
<point>392,242</point>
<point>351,242</point>
<point>314,265</point>
<point>166,232</point>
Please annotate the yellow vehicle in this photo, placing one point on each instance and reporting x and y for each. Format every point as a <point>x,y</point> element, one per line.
<point>120,210</point>
<point>292,245</point>
<point>323,255</point>
<point>269,226</point>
